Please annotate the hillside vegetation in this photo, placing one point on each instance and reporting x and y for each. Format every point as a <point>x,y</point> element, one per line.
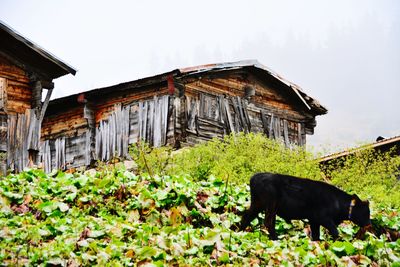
<point>370,174</point>
<point>178,209</point>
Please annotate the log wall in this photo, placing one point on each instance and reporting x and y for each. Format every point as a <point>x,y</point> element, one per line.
<point>213,107</point>
<point>17,94</point>
<point>83,141</point>
<point>194,110</point>
<point>20,122</point>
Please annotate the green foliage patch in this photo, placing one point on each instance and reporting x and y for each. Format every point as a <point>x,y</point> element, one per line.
<point>370,174</point>
<point>236,157</point>
<point>115,218</point>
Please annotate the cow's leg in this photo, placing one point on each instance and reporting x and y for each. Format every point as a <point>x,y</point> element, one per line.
<point>331,226</point>
<point>249,215</point>
<point>315,231</point>
<point>270,220</point>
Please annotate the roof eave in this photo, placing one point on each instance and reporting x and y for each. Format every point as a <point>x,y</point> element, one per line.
<point>64,68</point>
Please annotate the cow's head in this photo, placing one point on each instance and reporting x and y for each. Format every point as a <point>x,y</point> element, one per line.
<point>246,219</point>
<point>359,211</point>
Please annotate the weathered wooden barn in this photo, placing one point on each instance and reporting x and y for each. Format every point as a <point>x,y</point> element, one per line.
<point>179,108</point>
<point>25,70</point>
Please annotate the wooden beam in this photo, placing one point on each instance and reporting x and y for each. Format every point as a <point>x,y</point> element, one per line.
<point>3,93</point>
<point>37,95</point>
<point>45,104</point>
<point>47,84</point>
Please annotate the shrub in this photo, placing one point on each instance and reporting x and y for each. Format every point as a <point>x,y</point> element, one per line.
<point>151,160</point>
<point>370,173</point>
<point>236,158</point>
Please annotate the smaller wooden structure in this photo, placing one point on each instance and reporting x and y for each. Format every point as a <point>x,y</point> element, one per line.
<point>382,145</point>
<point>25,71</point>
<point>178,108</point>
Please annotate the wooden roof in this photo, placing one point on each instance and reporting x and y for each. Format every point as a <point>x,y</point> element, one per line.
<point>310,104</point>
<point>30,56</point>
<point>382,145</point>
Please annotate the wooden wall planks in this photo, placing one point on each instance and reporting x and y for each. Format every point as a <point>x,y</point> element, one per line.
<point>23,135</point>
<point>205,108</point>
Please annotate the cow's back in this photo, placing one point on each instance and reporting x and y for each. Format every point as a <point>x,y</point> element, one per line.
<point>296,198</point>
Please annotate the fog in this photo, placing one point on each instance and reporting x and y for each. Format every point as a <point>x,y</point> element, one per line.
<point>343,53</point>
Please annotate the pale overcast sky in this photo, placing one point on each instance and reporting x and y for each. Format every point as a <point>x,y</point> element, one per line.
<point>344,53</point>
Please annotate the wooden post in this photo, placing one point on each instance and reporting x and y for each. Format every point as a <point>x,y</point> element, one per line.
<point>45,104</point>
<point>3,93</point>
<point>37,96</point>
<point>89,115</point>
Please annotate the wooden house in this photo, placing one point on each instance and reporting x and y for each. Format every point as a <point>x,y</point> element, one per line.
<point>178,108</point>
<point>25,71</point>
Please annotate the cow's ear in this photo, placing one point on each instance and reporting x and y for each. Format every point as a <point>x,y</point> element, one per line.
<point>354,196</point>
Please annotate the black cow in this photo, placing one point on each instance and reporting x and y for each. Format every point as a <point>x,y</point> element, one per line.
<point>299,198</point>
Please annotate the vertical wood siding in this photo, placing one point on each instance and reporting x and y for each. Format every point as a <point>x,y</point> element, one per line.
<point>23,134</point>
<point>112,135</point>
<point>203,109</point>
<point>219,115</point>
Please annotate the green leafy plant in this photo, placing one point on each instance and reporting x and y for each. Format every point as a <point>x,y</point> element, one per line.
<point>151,160</point>
<point>114,217</point>
<point>238,156</point>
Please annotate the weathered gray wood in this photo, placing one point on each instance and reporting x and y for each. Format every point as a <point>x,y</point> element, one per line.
<point>286,132</point>
<point>140,119</point>
<point>157,132</point>
<point>97,144</point>
<point>134,123</point>
<point>118,130</point>
<point>203,106</point>
<point>46,156</point>
<point>90,147</point>
<point>60,153</point>
<point>264,120</point>
<point>33,130</point>
<point>3,93</point>
<point>164,119</point>
<point>150,125</point>
<point>179,119</point>
<point>37,95</point>
<point>300,135</point>
<point>75,154</point>
<point>22,156</point>
<point>228,115</point>
<point>271,127</point>
<point>153,120</point>
<point>47,84</point>
<point>125,131</point>
<point>247,121</point>
<point>192,114</point>
<point>112,135</point>
<point>221,109</point>
<point>11,146</point>
<point>88,157</point>
<point>3,132</point>
<point>237,120</point>
<point>277,128</point>
<point>242,116</point>
<point>45,104</point>
<point>143,117</point>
